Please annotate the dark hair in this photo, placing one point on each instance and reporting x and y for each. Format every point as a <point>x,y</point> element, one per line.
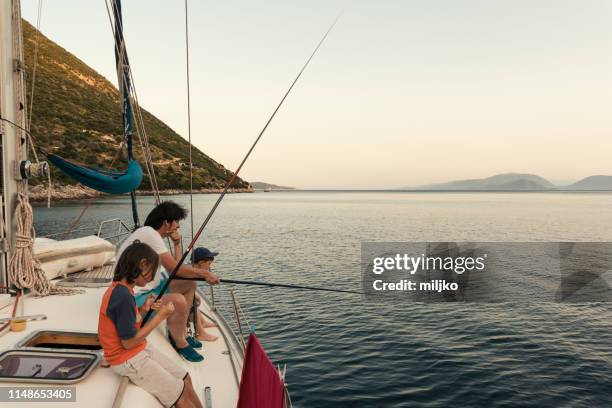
<point>165,211</point>
<point>208,258</point>
<point>128,265</point>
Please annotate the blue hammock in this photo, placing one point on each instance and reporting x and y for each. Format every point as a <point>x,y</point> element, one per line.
<point>110,182</point>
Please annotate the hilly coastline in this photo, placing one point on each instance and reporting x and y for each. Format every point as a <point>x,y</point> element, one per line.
<point>519,182</point>
<point>260,185</point>
<point>592,183</point>
<point>76,114</point>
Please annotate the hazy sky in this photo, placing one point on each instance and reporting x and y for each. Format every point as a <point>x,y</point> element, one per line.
<point>402,93</point>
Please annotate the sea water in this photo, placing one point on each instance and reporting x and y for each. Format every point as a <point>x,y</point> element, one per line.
<point>343,350</point>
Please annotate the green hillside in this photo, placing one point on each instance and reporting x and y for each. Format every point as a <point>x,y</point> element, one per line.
<point>76,115</point>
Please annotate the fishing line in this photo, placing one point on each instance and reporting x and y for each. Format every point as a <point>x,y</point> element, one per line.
<point>276,285</point>
<point>229,183</point>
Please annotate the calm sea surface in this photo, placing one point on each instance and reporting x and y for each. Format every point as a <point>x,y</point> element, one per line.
<point>344,351</point>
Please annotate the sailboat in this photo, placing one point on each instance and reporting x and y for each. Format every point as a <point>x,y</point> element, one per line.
<point>49,347</point>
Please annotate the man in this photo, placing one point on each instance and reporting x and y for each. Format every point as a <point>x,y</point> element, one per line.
<point>163,222</point>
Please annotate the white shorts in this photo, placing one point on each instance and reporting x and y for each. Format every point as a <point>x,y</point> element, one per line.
<point>155,373</point>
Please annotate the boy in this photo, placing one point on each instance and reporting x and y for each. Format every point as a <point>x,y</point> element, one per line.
<point>202,259</point>
<point>124,341</point>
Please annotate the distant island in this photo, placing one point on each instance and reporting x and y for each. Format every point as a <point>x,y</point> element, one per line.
<point>519,182</point>
<point>260,185</point>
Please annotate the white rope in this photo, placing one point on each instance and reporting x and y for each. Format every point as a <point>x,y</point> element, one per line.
<point>24,269</point>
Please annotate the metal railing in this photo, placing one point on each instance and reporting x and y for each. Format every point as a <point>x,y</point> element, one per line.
<point>226,304</point>
<point>114,230</point>
<point>75,233</point>
<point>118,233</point>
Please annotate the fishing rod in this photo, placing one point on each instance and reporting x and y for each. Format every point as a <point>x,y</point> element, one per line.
<point>276,285</point>
<point>229,183</point>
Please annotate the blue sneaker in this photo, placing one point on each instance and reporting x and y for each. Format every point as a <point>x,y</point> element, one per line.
<point>188,353</point>
<point>193,342</point>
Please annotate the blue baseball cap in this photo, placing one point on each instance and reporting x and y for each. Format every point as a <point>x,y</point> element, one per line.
<point>201,253</point>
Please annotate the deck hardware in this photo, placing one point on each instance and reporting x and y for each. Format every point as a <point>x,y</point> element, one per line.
<point>17,65</point>
<point>26,169</point>
<point>193,318</point>
<point>237,316</point>
<point>208,397</point>
<point>38,369</point>
<point>28,318</point>
<point>65,371</point>
<point>212,298</point>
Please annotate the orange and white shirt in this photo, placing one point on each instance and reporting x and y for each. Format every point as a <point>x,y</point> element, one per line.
<point>119,319</point>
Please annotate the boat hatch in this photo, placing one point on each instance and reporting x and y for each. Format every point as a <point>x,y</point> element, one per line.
<point>46,366</point>
<point>54,339</point>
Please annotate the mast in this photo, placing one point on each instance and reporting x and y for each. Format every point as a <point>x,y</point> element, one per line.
<point>123,80</point>
<point>13,137</point>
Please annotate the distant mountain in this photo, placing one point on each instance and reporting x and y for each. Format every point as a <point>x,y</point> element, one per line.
<point>260,185</point>
<point>506,181</point>
<point>592,183</point>
<point>522,185</point>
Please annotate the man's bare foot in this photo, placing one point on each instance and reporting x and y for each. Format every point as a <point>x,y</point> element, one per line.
<point>208,324</point>
<point>207,337</point>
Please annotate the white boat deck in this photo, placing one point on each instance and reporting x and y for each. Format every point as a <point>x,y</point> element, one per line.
<point>80,313</point>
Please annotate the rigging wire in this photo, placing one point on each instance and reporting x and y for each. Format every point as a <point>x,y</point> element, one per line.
<point>126,106</point>
<point>189,116</point>
<point>140,128</point>
<point>139,121</point>
<point>29,113</point>
<point>26,131</point>
<point>22,113</point>
<point>34,66</point>
<point>235,174</point>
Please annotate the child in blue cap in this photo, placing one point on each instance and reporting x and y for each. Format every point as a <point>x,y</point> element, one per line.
<point>202,258</point>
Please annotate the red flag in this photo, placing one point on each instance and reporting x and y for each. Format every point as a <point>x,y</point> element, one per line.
<point>260,385</point>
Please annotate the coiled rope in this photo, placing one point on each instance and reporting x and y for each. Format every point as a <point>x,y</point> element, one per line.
<point>24,269</point>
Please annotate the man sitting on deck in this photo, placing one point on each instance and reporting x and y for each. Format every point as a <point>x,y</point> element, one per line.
<point>162,222</point>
